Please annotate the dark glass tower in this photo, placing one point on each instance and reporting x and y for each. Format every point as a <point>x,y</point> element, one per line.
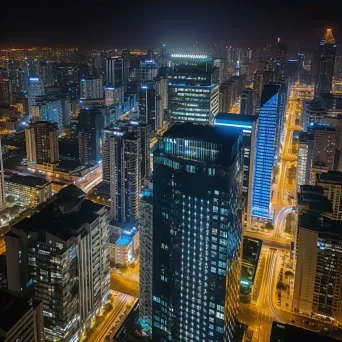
<point>197,231</point>
<point>326,61</point>
<point>281,58</point>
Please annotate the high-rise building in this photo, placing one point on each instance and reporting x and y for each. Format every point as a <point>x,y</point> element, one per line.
<point>89,136</point>
<point>35,88</point>
<point>48,108</point>
<point>22,318</point>
<point>197,232</point>
<point>147,103</point>
<point>115,71</point>
<point>246,102</point>
<point>326,60</point>
<point>270,128</point>
<point>257,89</point>
<point>146,262</point>
<point>113,95</point>
<point>193,88</point>
<point>161,100</point>
<point>5,92</point>
<point>318,262</point>
<point>304,164</point>
<point>124,149</point>
<point>312,112</point>
<point>248,125</point>
<point>331,182</point>
<point>63,252</point>
<point>2,182</point>
<point>42,149</point>
<point>91,88</point>
<point>281,58</point>
<point>126,54</point>
<point>147,71</point>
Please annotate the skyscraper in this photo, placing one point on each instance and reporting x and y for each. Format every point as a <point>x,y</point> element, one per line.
<point>89,136</point>
<point>2,183</point>
<point>42,150</point>
<point>115,71</point>
<point>197,232</point>
<point>248,125</point>
<point>5,92</point>
<point>270,126</point>
<point>326,60</point>
<point>35,88</point>
<point>63,252</point>
<point>193,88</point>
<point>281,58</point>
<point>124,171</point>
<point>91,88</point>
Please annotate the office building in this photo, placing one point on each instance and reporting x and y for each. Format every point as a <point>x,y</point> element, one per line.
<point>2,182</point>
<point>35,88</point>
<point>5,92</point>
<point>197,233</point>
<point>42,151</point>
<point>257,89</point>
<point>147,71</point>
<point>248,125</point>
<point>63,252</point>
<point>317,287</point>
<point>161,101</point>
<point>115,71</point>
<point>193,88</point>
<point>21,319</point>
<point>89,136</point>
<point>324,145</point>
<point>270,129</point>
<point>326,60</point>
<point>28,190</point>
<point>147,103</point>
<point>91,88</point>
<point>48,108</point>
<point>304,163</point>
<point>114,95</point>
<point>313,112</point>
<point>123,151</point>
<point>331,182</point>
<point>246,102</point>
<point>146,261</point>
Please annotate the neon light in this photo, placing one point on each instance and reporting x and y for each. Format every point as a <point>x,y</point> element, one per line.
<point>230,125</point>
<point>188,56</point>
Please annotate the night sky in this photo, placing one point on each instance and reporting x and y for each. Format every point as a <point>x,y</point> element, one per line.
<point>148,23</point>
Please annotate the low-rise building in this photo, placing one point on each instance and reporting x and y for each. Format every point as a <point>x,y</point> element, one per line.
<point>29,190</point>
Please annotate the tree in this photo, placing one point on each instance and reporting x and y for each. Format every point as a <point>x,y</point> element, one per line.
<point>292,174</point>
<point>10,199</point>
<point>281,286</point>
<point>269,225</point>
<point>290,224</point>
<point>289,275</point>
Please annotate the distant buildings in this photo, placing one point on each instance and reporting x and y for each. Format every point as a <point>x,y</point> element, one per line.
<point>267,147</point>
<point>42,149</point>
<point>193,88</point>
<point>91,88</point>
<point>115,71</point>
<point>147,71</point>
<point>35,88</point>
<point>63,252</point>
<point>197,232</point>
<point>21,318</point>
<point>313,112</point>
<point>5,92</point>
<point>281,58</point>
<point>326,60</point>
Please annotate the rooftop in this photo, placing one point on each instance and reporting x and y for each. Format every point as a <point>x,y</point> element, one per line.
<point>231,117</point>
<point>313,197</point>
<point>123,241</point>
<point>25,180</point>
<point>330,177</point>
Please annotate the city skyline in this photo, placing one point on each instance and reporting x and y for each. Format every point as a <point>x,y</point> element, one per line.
<point>176,23</point>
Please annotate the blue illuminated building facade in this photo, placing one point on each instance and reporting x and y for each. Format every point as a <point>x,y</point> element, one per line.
<point>271,116</point>
<point>197,232</point>
<point>193,88</point>
<point>247,124</point>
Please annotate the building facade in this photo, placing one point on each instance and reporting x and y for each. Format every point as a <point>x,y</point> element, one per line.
<point>42,149</point>
<point>193,89</point>
<point>91,88</point>
<point>197,232</point>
